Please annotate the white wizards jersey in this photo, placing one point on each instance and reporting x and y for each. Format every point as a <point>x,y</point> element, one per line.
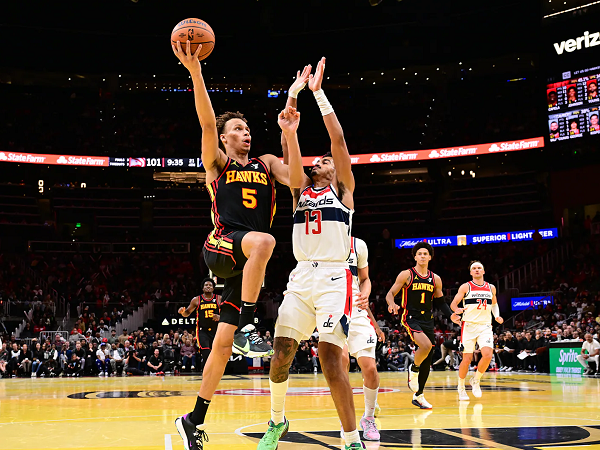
<point>358,259</point>
<point>322,226</point>
<point>478,304</point>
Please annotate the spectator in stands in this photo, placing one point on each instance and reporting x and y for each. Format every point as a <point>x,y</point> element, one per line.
<point>113,337</point>
<point>168,355</point>
<point>102,360</point>
<point>74,368</point>
<point>117,356</point>
<point>303,362</point>
<point>123,337</point>
<point>188,355</point>
<point>25,360</point>
<point>80,354</point>
<point>407,354</point>
<point>394,360</point>
<point>37,359</point>
<point>155,363</point>
<point>3,358</point>
<point>590,352</point>
<point>75,335</point>
<point>314,350</point>
<point>141,357</point>
<point>541,352</point>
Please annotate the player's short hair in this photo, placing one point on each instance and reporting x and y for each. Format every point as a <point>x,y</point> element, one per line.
<point>572,87</point>
<point>222,121</point>
<point>593,82</point>
<point>475,261</point>
<point>211,280</point>
<point>594,115</point>
<point>421,245</point>
<point>327,155</point>
<point>554,121</point>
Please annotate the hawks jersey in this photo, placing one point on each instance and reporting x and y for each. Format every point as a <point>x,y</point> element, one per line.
<point>359,259</point>
<point>477,304</point>
<point>322,225</point>
<point>417,296</point>
<point>207,308</point>
<point>243,197</point>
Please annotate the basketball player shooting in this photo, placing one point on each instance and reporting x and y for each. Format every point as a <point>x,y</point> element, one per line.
<point>320,289</point>
<point>480,302</point>
<point>421,291</point>
<point>242,192</point>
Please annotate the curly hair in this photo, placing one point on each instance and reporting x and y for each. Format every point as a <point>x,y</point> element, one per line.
<point>421,245</point>
<point>222,121</point>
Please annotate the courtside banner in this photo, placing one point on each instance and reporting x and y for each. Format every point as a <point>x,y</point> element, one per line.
<point>471,239</point>
<point>61,160</point>
<point>307,161</point>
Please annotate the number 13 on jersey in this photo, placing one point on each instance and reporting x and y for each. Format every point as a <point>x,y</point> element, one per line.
<point>316,214</point>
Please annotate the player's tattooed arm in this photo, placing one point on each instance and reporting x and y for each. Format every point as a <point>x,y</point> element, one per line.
<point>285,351</point>
<point>400,282</point>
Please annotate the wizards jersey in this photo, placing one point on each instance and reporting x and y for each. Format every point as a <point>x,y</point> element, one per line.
<point>322,226</point>
<point>478,304</point>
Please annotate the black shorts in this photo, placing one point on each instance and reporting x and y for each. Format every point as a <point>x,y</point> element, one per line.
<point>225,258</point>
<point>206,338</point>
<point>413,325</point>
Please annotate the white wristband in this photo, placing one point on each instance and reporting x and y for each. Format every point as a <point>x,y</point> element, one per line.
<point>496,310</point>
<point>323,103</point>
<point>294,92</point>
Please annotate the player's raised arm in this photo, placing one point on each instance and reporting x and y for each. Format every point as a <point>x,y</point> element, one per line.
<point>401,280</point>
<point>291,175</point>
<point>213,158</point>
<point>339,150</point>
<point>292,100</point>
<point>185,312</point>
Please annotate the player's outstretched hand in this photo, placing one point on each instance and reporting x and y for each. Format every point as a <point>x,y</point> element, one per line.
<point>189,60</point>
<point>455,318</point>
<point>361,301</point>
<point>314,81</point>
<point>499,320</point>
<point>300,81</point>
<point>289,119</point>
<point>459,310</point>
<point>181,310</point>
<point>393,308</point>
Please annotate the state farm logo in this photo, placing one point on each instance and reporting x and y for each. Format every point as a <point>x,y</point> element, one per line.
<point>434,154</point>
<point>3,157</point>
<point>494,148</point>
<point>62,160</point>
<point>375,158</point>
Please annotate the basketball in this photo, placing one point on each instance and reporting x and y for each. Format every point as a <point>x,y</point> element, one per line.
<point>197,32</point>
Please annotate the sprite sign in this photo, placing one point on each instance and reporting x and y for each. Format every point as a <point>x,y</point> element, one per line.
<point>563,358</point>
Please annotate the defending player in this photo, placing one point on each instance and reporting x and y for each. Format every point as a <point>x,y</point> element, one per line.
<point>320,289</point>
<point>479,300</point>
<point>207,307</point>
<point>421,291</point>
<point>363,335</point>
<point>238,249</point>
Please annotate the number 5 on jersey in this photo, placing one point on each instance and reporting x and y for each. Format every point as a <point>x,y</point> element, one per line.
<point>317,216</point>
<point>249,198</point>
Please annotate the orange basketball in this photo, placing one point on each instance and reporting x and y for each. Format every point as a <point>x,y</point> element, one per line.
<point>197,32</point>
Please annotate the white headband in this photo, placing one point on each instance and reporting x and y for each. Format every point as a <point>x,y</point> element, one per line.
<point>476,262</point>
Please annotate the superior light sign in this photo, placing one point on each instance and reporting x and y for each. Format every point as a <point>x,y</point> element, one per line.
<point>468,239</point>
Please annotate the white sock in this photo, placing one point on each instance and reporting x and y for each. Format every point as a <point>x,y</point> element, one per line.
<point>278,391</point>
<point>370,401</point>
<point>478,375</point>
<point>461,383</point>
<point>351,437</point>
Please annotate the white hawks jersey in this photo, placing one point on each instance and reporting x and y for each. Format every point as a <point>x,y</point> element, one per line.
<point>478,304</point>
<point>358,259</point>
<point>322,225</point>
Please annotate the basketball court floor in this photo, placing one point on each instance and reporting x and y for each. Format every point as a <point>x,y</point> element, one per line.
<point>517,411</point>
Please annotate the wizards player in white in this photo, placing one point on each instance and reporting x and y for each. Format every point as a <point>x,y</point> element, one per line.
<point>479,301</point>
<point>363,336</point>
<point>320,288</point>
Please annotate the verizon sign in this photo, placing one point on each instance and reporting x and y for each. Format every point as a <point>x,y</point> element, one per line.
<point>570,45</point>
